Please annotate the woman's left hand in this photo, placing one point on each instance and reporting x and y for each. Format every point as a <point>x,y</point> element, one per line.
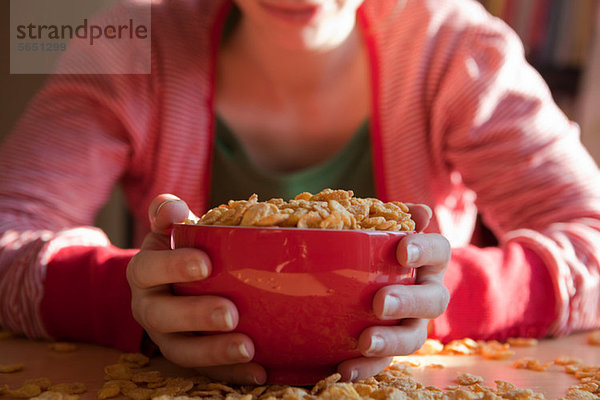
<point>414,304</point>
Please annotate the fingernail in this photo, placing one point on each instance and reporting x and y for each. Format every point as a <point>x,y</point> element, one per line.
<point>254,378</point>
<point>412,253</point>
<point>161,205</point>
<point>377,344</point>
<point>222,318</point>
<point>429,211</point>
<point>197,269</point>
<point>238,350</point>
<point>353,375</point>
<point>391,306</point>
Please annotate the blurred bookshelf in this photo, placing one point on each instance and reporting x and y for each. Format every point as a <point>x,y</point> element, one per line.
<point>555,33</point>
<point>557,36</point>
<point>562,41</point>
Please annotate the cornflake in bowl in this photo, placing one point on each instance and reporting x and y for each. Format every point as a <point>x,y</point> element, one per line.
<point>328,209</point>
<point>302,274</point>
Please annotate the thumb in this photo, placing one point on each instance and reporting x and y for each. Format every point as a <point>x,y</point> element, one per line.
<point>165,210</point>
<point>421,214</point>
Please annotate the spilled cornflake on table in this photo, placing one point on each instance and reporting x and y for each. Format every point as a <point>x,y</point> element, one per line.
<point>507,390</point>
<point>430,347</point>
<point>26,391</point>
<point>531,364</point>
<point>594,338</point>
<point>490,349</point>
<point>51,395</point>
<point>10,368</point>
<point>522,342</point>
<point>63,347</point>
<point>134,360</point>
<point>567,360</point>
<point>118,372</point>
<point>42,389</point>
<point>463,347</point>
<point>395,382</point>
<point>68,388</point>
<point>434,366</point>
<point>584,371</point>
<point>129,378</point>
<point>147,377</point>
<point>43,383</point>
<point>588,375</point>
<point>468,379</point>
<point>390,385</point>
<point>113,388</point>
<point>477,390</point>
<point>495,350</point>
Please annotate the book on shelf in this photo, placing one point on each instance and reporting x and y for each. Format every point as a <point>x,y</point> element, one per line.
<point>555,33</point>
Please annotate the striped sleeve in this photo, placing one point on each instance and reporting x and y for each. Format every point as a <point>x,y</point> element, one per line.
<point>76,140</point>
<point>498,126</point>
<point>80,136</point>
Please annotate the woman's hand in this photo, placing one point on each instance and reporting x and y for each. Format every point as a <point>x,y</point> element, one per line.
<point>170,320</point>
<point>414,304</point>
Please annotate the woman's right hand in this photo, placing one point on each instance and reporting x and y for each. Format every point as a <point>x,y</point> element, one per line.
<point>170,320</point>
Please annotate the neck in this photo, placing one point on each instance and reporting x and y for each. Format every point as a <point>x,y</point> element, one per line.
<point>297,67</point>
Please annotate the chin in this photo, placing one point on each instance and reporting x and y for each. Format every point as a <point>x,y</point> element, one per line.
<point>311,39</point>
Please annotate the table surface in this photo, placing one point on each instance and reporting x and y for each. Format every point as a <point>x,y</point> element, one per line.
<point>87,363</point>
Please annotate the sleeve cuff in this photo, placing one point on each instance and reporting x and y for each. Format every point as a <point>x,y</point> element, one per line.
<point>496,293</point>
<point>87,297</point>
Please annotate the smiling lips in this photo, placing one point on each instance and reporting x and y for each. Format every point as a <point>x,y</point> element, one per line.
<point>301,14</point>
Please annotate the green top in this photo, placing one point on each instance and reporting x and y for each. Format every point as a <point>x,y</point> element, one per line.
<point>234,177</point>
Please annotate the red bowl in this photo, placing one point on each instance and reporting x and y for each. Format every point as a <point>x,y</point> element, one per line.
<point>303,295</point>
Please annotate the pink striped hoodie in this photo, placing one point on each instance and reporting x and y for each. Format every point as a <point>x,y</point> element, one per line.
<point>459,122</point>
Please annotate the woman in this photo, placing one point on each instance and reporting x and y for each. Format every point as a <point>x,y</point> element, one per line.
<point>427,102</point>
